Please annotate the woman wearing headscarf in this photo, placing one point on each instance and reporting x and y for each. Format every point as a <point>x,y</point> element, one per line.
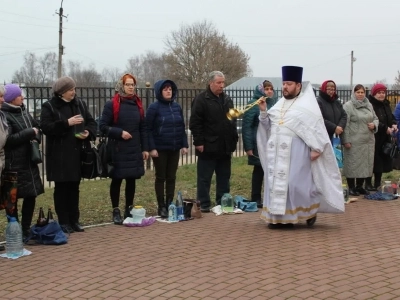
<point>249,136</point>
<point>3,136</point>
<point>358,139</point>
<point>334,115</point>
<point>22,131</point>
<point>123,123</point>
<point>387,126</point>
<point>167,140</point>
<point>60,117</point>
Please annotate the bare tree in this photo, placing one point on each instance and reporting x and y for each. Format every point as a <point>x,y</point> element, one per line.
<point>195,50</point>
<point>110,76</point>
<point>396,85</point>
<point>48,68</point>
<point>37,71</point>
<point>148,67</point>
<point>84,77</point>
<point>134,67</point>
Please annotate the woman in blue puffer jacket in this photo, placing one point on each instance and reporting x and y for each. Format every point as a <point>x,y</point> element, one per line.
<point>167,139</point>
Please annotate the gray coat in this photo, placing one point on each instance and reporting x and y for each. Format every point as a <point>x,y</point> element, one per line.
<point>358,161</point>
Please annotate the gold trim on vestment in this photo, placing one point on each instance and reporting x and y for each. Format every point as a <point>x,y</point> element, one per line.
<point>277,219</point>
<point>296,210</point>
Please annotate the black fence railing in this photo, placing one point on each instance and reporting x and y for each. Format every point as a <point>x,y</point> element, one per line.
<point>96,97</point>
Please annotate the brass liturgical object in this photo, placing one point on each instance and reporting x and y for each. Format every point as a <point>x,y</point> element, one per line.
<point>235,113</point>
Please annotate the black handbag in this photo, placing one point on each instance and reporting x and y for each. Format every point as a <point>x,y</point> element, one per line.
<point>91,166</point>
<point>105,149</point>
<point>390,148</point>
<point>36,154</point>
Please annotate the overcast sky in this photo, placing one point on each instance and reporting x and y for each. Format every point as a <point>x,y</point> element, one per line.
<point>318,35</point>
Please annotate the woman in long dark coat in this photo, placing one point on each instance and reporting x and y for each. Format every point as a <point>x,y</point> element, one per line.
<point>249,136</point>
<point>123,122</point>
<point>22,131</point>
<point>387,125</point>
<point>59,118</point>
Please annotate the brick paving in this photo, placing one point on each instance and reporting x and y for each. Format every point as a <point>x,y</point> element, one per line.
<point>351,256</point>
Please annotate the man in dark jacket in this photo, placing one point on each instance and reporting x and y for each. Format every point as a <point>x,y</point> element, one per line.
<point>335,117</point>
<point>215,138</point>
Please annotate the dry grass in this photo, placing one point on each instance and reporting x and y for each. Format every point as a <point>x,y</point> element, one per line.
<point>95,202</point>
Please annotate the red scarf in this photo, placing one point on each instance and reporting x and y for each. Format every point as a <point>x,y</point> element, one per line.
<point>324,86</point>
<point>117,103</point>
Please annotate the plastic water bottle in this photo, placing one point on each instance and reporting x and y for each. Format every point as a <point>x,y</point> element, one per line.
<point>179,207</point>
<point>138,214</point>
<point>172,213</point>
<point>14,245</point>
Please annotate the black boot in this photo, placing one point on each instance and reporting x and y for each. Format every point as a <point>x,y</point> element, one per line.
<point>353,192</point>
<point>162,209</point>
<point>361,190</point>
<point>127,213</point>
<point>117,219</point>
<point>368,184</point>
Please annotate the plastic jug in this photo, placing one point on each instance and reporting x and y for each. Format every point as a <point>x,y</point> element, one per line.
<point>387,187</point>
<point>227,203</point>
<point>138,214</point>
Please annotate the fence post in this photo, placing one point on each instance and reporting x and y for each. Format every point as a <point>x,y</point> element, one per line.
<point>148,161</point>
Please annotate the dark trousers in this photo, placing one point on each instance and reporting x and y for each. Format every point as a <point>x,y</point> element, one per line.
<point>27,211</point>
<point>205,170</point>
<point>166,165</point>
<point>377,180</point>
<point>115,191</point>
<point>66,201</point>
<point>352,182</point>
<point>257,179</point>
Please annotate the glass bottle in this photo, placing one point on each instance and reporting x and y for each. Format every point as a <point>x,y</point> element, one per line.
<point>41,221</point>
<point>227,203</point>
<point>387,187</point>
<point>50,218</point>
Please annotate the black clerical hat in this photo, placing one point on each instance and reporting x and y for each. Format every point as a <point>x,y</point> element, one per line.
<point>292,73</point>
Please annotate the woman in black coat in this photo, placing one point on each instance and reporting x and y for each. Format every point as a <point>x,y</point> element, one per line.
<point>22,131</point>
<point>60,118</point>
<point>387,126</point>
<point>335,118</point>
<point>123,122</point>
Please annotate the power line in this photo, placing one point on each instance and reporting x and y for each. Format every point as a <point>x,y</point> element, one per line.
<point>243,36</point>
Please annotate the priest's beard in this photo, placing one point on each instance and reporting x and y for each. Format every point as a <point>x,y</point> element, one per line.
<point>291,95</point>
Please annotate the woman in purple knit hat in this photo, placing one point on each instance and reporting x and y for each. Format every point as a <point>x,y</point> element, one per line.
<point>22,131</point>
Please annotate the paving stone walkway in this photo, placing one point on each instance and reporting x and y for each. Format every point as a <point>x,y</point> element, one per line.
<point>351,256</point>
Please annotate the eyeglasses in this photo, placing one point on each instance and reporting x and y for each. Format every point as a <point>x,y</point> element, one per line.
<point>129,84</point>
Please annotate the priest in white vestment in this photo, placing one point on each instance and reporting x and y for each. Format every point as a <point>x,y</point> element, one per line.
<point>301,174</point>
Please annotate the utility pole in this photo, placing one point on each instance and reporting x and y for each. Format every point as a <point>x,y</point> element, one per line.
<point>60,46</point>
<point>353,59</point>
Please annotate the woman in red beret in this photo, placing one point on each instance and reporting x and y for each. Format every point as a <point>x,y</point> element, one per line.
<point>387,126</point>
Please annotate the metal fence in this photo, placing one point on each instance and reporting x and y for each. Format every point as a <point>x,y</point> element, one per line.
<point>96,97</point>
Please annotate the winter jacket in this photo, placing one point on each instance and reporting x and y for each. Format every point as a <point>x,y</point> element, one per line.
<point>382,163</point>
<point>333,113</point>
<point>127,156</point>
<point>3,139</point>
<point>210,126</point>
<point>165,122</point>
<point>250,125</point>
<point>359,159</point>
<point>18,150</point>
<point>63,149</point>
